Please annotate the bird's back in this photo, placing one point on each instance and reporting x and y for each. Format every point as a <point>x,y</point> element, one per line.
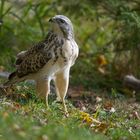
<point>46,58</point>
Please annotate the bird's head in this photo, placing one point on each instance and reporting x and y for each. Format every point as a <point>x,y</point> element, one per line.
<point>62,26</point>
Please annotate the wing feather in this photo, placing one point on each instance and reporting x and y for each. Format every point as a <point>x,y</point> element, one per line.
<point>32,60</point>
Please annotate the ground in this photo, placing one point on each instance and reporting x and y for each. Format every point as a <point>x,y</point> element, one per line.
<point>92,115</point>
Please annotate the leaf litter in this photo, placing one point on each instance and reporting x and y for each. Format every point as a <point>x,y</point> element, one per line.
<point>99,113</point>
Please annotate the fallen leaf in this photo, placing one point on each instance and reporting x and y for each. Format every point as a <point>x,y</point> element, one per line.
<point>108,106</point>
<point>2,68</point>
<point>101,70</point>
<point>5,115</point>
<point>98,99</point>
<point>136,115</point>
<point>88,119</point>
<point>112,110</point>
<point>101,60</point>
<point>102,127</point>
<point>17,105</point>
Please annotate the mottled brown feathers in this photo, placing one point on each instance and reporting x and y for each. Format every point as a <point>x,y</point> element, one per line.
<point>35,58</point>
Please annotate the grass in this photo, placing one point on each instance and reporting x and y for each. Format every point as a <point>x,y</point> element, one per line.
<point>25,117</point>
<point>28,118</point>
<point>34,121</point>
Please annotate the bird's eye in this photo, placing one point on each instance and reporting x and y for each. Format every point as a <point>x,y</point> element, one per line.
<point>62,21</point>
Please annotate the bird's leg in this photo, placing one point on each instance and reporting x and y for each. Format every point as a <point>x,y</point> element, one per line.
<point>61,83</point>
<point>43,89</point>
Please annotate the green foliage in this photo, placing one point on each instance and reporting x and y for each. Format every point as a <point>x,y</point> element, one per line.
<point>126,15</point>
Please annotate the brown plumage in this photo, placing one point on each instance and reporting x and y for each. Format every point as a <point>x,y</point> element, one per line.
<point>50,59</point>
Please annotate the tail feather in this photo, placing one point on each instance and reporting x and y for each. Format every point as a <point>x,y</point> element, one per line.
<point>13,74</point>
<point>12,79</point>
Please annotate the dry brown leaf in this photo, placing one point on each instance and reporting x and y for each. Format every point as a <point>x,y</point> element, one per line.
<point>108,106</point>
<point>102,127</point>
<point>101,60</point>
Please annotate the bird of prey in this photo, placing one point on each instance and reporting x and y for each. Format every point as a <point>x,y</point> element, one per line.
<point>50,59</point>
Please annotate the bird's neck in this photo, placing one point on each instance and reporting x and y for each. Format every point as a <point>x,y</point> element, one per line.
<point>63,35</point>
<point>58,32</point>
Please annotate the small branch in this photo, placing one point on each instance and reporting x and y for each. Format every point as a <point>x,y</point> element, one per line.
<point>19,18</point>
<point>131,82</point>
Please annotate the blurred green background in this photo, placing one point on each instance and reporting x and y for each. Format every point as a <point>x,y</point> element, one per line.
<point>107,32</point>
